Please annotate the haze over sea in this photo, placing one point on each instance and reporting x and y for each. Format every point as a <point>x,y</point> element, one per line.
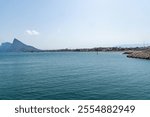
<point>73,75</point>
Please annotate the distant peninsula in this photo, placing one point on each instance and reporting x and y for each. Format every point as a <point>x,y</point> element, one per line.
<point>132,52</point>
<point>17,46</point>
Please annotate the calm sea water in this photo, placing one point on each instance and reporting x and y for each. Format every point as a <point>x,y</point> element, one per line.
<point>73,75</point>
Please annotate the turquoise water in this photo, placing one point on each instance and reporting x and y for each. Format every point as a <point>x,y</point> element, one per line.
<point>73,75</point>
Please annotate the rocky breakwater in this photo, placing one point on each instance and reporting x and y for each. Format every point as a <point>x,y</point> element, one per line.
<point>143,54</point>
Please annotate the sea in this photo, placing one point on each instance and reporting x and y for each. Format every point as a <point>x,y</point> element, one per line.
<point>73,76</point>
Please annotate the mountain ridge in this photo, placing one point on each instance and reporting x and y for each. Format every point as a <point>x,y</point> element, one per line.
<point>17,46</point>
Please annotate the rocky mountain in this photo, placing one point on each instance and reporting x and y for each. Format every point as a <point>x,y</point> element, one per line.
<point>17,46</point>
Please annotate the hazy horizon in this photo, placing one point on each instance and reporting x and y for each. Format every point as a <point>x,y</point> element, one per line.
<point>121,45</point>
<point>55,24</point>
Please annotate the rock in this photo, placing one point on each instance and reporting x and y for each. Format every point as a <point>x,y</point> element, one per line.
<point>17,46</point>
<point>145,54</point>
<point>128,52</point>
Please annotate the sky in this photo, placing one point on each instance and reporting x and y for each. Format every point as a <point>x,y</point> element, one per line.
<point>56,24</point>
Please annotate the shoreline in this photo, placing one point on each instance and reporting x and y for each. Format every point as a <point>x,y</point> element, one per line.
<point>143,54</point>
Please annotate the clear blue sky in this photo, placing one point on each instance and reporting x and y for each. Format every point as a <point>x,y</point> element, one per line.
<point>54,24</point>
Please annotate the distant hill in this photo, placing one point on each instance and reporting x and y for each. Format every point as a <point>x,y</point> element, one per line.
<point>17,46</point>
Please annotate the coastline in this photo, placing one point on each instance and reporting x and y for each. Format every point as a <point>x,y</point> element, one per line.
<point>143,54</point>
